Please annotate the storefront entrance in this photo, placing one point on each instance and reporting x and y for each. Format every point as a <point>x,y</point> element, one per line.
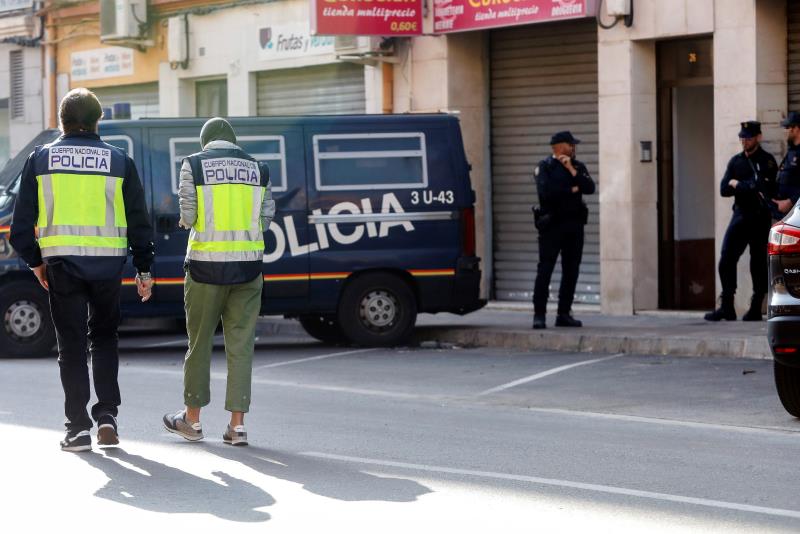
<point>687,184</point>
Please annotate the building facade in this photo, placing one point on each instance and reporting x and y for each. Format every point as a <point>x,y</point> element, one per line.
<point>657,104</point>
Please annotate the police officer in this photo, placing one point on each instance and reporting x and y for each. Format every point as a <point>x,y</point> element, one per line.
<point>225,198</point>
<point>789,171</point>
<point>750,179</point>
<point>86,199</point>
<point>561,182</point>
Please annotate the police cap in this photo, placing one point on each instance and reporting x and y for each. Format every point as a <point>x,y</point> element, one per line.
<point>750,129</point>
<point>792,119</point>
<point>564,137</point>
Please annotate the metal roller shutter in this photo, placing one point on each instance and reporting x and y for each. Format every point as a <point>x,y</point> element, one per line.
<point>794,54</point>
<point>143,98</point>
<point>543,79</point>
<point>320,90</point>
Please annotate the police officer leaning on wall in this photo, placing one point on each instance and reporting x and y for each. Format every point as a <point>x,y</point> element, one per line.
<point>86,199</point>
<point>226,199</point>
<point>750,179</point>
<point>561,182</point>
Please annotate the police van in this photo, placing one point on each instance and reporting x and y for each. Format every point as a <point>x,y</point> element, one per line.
<point>374,223</point>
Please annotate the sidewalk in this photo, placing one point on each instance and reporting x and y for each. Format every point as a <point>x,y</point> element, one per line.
<point>652,333</point>
<point>656,333</point>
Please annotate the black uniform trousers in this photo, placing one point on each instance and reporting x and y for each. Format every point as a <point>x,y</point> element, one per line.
<point>72,301</point>
<point>566,239</point>
<point>744,231</point>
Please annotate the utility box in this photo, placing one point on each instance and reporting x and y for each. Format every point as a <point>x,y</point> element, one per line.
<point>177,43</point>
<point>122,20</point>
<point>618,8</point>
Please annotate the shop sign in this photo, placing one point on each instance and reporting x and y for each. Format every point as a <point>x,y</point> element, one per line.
<point>461,15</point>
<point>366,17</point>
<point>286,41</point>
<point>14,5</point>
<point>101,63</point>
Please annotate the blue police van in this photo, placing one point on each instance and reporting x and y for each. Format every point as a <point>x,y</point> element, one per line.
<point>374,224</point>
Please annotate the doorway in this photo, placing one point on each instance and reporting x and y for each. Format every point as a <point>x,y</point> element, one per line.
<point>686,179</point>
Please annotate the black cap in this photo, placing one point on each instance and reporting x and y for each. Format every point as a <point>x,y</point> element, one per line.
<point>564,137</point>
<point>750,129</point>
<point>792,119</point>
<point>217,129</point>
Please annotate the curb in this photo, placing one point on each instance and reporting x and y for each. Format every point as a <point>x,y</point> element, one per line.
<point>737,347</point>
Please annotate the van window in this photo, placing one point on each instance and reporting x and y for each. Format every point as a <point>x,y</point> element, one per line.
<point>269,149</point>
<point>120,141</point>
<point>376,161</point>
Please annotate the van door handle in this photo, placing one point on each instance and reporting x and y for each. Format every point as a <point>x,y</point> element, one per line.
<point>167,223</point>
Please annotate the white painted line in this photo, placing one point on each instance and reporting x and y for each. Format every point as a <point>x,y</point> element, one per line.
<point>600,488</point>
<point>310,359</point>
<point>543,374</point>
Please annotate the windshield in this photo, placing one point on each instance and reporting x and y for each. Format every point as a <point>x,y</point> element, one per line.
<point>15,164</point>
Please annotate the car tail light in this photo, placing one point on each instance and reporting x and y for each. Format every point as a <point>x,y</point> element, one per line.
<point>784,239</point>
<point>468,231</point>
<point>785,350</point>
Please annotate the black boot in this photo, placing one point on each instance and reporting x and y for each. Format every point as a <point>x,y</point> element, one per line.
<point>539,323</point>
<point>725,312</point>
<point>754,313</point>
<point>565,319</point>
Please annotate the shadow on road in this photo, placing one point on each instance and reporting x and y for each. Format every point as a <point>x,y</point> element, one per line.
<point>166,489</point>
<point>321,477</point>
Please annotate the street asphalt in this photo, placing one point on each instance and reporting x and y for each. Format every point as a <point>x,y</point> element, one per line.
<point>413,440</point>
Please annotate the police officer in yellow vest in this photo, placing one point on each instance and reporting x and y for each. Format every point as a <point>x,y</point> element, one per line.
<point>225,198</point>
<point>86,199</point>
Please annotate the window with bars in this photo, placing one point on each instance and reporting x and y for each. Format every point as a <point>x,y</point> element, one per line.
<point>17,79</point>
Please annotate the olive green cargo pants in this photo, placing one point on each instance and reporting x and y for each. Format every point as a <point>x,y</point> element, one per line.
<point>238,306</point>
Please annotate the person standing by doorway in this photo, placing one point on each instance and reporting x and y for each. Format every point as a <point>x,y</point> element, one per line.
<point>225,198</point>
<point>86,199</point>
<point>561,182</point>
<point>750,179</point>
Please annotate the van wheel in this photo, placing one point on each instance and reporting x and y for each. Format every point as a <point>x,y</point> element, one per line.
<point>322,327</point>
<point>377,309</point>
<point>787,381</point>
<point>27,329</point>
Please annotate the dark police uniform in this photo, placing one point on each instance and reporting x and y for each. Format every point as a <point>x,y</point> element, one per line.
<point>752,215</point>
<point>789,170</point>
<point>84,275</point>
<point>563,216</point>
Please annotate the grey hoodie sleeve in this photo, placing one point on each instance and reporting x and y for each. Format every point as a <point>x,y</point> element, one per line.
<point>267,207</point>
<point>187,197</point>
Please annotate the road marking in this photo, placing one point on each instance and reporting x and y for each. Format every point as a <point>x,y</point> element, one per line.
<point>310,359</point>
<point>600,488</point>
<point>543,374</point>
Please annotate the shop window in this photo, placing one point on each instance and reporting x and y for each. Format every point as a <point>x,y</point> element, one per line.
<point>211,98</point>
<point>269,149</point>
<point>375,161</point>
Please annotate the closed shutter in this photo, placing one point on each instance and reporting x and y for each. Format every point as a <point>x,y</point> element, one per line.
<point>17,80</point>
<point>321,90</point>
<point>794,55</point>
<point>143,98</point>
<point>543,80</point>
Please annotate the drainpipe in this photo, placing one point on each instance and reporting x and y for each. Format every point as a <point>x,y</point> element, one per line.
<point>51,72</point>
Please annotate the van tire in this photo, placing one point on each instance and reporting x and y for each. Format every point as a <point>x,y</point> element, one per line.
<point>392,302</point>
<point>325,328</point>
<point>27,328</point>
<point>787,382</point>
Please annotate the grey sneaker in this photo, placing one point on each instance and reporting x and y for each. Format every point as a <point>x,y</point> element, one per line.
<point>177,424</point>
<point>235,436</point>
